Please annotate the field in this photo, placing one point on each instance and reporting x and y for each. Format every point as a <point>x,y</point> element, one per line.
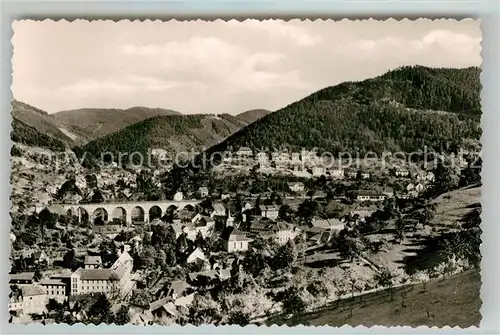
<point>454,301</point>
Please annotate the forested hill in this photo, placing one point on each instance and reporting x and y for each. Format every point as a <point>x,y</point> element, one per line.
<point>99,122</point>
<point>174,133</point>
<point>253,115</point>
<point>404,109</point>
<point>46,124</point>
<point>28,135</point>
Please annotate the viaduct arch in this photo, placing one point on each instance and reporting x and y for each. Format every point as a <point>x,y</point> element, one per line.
<point>126,211</point>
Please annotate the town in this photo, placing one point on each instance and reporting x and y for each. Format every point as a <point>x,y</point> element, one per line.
<point>266,234</point>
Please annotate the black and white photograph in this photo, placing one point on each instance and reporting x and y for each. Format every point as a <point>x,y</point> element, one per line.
<point>252,172</point>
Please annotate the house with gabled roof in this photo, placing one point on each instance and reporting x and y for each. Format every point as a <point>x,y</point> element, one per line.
<point>92,262</point>
<point>22,278</point>
<point>296,186</point>
<point>235,240</point>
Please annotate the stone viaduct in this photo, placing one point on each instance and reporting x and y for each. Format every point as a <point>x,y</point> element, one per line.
<point>129,212</point>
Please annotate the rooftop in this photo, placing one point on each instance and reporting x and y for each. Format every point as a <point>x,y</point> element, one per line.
<point>22,276</point>
<point>52,282</point>
<point>98,274</point>
<point>369,193</point>
<point>32,290</point>
<point>93,260</point>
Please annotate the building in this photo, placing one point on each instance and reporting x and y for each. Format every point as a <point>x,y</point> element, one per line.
<point>197,256</point>
<point>284,232</point>
<point>35,257</point>
<point>203,191</point>
<point>54,289</point>
<point>22,278</point>
<point>235,240</point>
<point>103,280</point>
<point>34,299</point>
<point>281,232</point>
<point>244,152</point>
<point>178,196</point>
<point>318,171</point>
<point>400,172</point>
<point>263,159</point>
<point>92,262</point>
<point>369,195</point>
<point>296,186</point>
<point>295,157</point>
<point>308,156</point>
<point>269,211</point>
<point>365,175</point>
<point>199,224</point>
<point>15,302</point>
<point>328,225</point>
<point>337,173</point>
<point>389,192</point>
<point>351,174</point>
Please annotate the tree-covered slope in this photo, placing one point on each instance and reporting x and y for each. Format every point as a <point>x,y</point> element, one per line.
<point>47,124</point>
<point>25,134</point>
<point>174,133</point>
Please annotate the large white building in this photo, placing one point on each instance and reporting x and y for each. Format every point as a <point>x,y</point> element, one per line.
<point>55,289</point>
<point>85,281</point>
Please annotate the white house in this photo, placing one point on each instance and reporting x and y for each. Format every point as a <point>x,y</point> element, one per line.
<point>236,241</point>
<point>34,299</point>
<point>368,195</point>
<point>295,157</point>
<point>54,289</point>
<point>197,255</point>
<point>284,232</point>
<point>269,211</point>
<point>244,152</point>
<point>318,170</point>
<point>178,196</point>
<point>337,173</point>
<point>320,225</point>
<point>92,262</point>
<point>203,191</point>
<point>400,172</point>
<point>296,186</point>
<point>262,158</point>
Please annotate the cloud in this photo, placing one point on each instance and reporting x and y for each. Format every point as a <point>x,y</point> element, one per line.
<point>125,84</point>
<point>227,66</point>
<point>280,29</point>
<point>216,59</point>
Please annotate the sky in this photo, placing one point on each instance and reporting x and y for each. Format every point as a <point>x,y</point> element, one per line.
<point>220,67</point>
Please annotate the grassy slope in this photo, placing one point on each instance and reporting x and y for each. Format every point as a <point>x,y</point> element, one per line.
<point>454,301</point>
<point>454,206</point>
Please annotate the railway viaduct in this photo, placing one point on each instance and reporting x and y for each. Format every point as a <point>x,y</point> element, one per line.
<point>141,211</point>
